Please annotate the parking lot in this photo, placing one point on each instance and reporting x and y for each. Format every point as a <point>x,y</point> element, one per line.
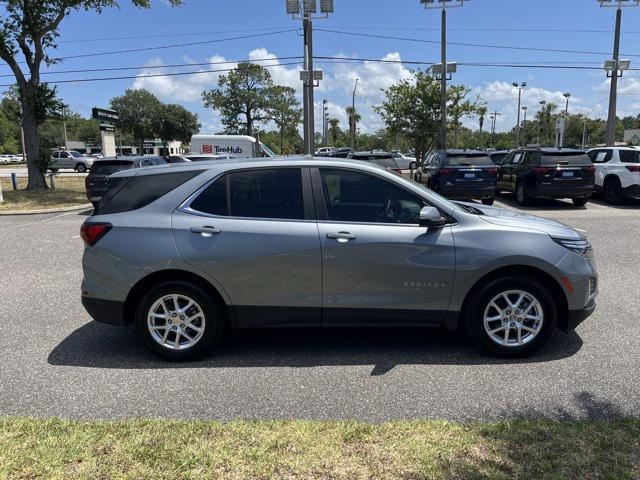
<point>55,361</point>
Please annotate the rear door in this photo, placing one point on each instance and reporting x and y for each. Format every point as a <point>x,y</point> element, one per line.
<point>565,170</point>
<point>378,265</point>
<point>97,181</point>
<point>468,171</point>
<point>253,231</point>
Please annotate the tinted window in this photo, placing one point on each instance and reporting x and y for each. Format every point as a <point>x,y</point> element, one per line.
<point>213,199</point>
<point>497,158</point>
<point>385,162</point>
<point>109,167</point>
<point>130,193</point>
<point>75,154</point>
<point>274,193</point>
<point>628,156</point>
<point>455,160</point>
<point>358,197</point>
<point>571,158</point>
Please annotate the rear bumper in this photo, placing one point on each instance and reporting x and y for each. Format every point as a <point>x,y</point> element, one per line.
<point>562,192</point>
<point>576,317</point>
<point>105,311</point>
<point>468,192</point>
<point>632,191</point>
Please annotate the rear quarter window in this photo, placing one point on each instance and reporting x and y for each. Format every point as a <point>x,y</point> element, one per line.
<point>131,193</point>
<point>628,156</point>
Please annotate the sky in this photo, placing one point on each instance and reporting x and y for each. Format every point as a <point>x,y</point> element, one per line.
<point>220,31</point>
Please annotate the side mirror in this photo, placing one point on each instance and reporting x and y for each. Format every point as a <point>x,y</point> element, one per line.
<point>430,217</point>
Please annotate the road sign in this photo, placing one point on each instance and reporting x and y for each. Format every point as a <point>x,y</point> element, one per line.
<point>104,114</point>
<point>107,128</point>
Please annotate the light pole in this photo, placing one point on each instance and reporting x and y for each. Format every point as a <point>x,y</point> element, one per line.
<point>352,123</point>
<point>307,10</point>
<point>443,4</point>
<point>324,122</point>
<point>566,108</point>
<point>584,133</point>
<point>615,66</point>
<point>542,104</point>
<point>520,87</point>
<point>524,124</point>
<point>494,118</point>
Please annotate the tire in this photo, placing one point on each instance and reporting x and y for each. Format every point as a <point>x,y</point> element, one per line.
<point>80,168</point>
<point>580,202</point>
<point>488,201</point>
<point>522,195</point>
<point>479,305</point>
<point>412,166</point>
<point>612,191</point>
<point>207,313</point>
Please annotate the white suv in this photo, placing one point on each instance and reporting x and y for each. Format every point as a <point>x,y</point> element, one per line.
<point>617,172</point>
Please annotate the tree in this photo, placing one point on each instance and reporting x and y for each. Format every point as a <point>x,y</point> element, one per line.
<point>30,28</point>
<point>412,109</point>
<point>457,107</point>
<point>354,118</point>
<point>242,98</point>
<point>283,109</point>
<point>334,130</point>
<point>481,110</point>
<point>174,122</point>
<point>138,111</point>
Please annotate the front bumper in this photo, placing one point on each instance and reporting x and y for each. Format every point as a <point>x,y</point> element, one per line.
<point>576,317</point>
<point>105,311</point>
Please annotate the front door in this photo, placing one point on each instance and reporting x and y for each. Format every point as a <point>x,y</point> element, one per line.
<point>378,265</point>
<point>252,233</point>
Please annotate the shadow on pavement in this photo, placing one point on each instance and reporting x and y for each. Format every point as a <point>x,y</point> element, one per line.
<point>564,204</point>
<point>102,346</point>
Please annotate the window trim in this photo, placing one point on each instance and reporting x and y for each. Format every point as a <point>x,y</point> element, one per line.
<point>185,207</point>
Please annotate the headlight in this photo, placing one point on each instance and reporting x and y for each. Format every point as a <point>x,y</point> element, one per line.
<point>581,247</point>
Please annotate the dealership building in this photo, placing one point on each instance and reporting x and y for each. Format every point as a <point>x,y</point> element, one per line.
<point>151,147</point>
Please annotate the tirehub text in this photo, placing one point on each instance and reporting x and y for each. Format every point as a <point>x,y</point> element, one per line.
<point>216,149</point>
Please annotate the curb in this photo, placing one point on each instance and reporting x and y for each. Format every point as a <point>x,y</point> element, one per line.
<point>85,206</point>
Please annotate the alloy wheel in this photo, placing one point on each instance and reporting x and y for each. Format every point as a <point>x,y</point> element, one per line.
<point>513,318</point>
<point>176,322</point>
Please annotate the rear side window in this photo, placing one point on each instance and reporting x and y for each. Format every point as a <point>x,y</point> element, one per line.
<point>454,160</point>
<point>565,159</point>
<point>107,168</point>
<point>628,156</point>
<point>131,193</point>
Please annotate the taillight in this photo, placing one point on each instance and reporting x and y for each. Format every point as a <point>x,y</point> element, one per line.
<point>491,170</point>
<point>589,169</point>
<point>445,171</point>
<point>543,170</point>
<point>633,168</point>
<point>92,232</point>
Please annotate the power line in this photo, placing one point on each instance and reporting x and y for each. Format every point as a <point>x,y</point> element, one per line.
<point>464,44</point>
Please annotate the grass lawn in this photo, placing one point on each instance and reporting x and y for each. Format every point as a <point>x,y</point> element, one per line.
<point>70,191</point>
<point>13,165</point>
<point>541,449</point>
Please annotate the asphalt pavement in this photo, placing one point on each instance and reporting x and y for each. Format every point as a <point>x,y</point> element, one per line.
<point>56,361</point>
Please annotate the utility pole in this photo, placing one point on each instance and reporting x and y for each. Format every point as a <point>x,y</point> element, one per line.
<point>443,4</point>
<point>308,62</point>
<point>524,124</point>
<point>324,122</point>
<point>566,108</point>
<point>542,104</point>
<point>352,123</point>
<point>494,118</point>
<point>520,87</point>
<point>615,67</point>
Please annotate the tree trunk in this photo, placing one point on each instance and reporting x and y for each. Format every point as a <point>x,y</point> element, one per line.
<point>32,142</point>
<point>480,136</point>
<point>281,139</point>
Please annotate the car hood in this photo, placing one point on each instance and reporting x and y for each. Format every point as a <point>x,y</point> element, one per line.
<point>510,218</point>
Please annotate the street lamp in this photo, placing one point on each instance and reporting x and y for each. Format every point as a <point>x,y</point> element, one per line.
<point>615,66</point>
<point>520,87</point>
<point>443,4</point>
<point>324,122</point>
<point>524,123</point>
<point>307,10</point>
<point>542,104</point>
<point>566,108</point>
<point>352,123</point>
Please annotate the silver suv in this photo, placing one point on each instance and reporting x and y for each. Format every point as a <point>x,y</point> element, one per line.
<point>186,251</point>
<point>70,159</point>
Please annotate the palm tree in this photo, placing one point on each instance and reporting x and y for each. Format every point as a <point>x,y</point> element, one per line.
<point>333,127</point>
<point>481,110</point>
<point>354,118</point>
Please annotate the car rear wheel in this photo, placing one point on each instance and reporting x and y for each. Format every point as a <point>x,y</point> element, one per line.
<point>80,168</point>
<point>412,166</point>
<point>612,191</point>
<point>580,202</point>
<point>522,194</point>
<point>178,321</point>
<point>488,201</point>
<point>511,316</point>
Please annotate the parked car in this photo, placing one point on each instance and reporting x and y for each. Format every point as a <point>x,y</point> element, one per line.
<point>70,159</point>
<point>5,158</point>
<point>342,152</point>
<point>325,151</point>
<point>461,174</point>
<point>617,172</point>
<point>405,162</point>
<point>186,252</point>
<point>97,181</point>
<point>383,159</point>
<point>547,173</point>
<point>177,159</point>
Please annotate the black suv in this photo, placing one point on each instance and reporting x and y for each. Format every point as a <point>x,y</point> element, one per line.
<point>461,174</point>
<point>96,182</point>
<point>547,173</point>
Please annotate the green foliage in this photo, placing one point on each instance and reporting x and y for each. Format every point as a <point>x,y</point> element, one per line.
<point>174,122</point>
<point>284,110</point>
<point>242,98</point>
<point>458,106</point>
<point>138,111</point>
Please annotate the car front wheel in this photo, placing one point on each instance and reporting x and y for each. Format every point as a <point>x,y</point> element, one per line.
<point>511,316</point>
<point>522,194</point>
<point>80,168</point>
<point>612,191</point>
<point>179,321</point>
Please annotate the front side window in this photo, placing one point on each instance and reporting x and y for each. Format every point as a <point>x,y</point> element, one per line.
<point>517,158</point>
<point>358,197</point>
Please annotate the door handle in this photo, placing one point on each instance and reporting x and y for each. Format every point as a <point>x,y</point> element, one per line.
<point>342,236</point>
<point>206,231</point>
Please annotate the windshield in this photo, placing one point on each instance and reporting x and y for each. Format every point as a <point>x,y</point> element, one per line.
<point>572,158</point>
<point>456,160</point>
<point>75,154</point>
